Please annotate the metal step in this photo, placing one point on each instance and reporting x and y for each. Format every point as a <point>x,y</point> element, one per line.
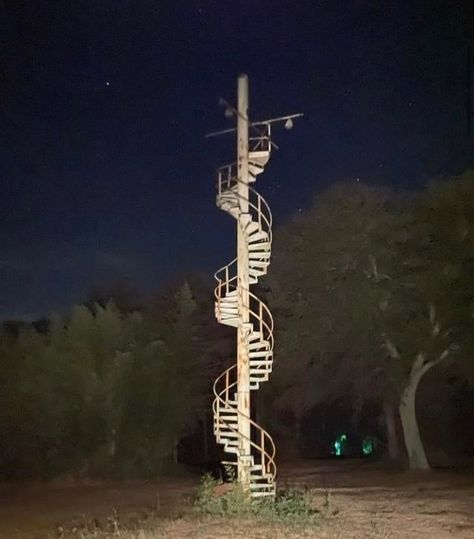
<point>266,368</point>
<point>257,236</point>
<point>233,322</point>
<point>255,248</point>
<point>255,477</point>
<point>259,158</point>
<point>228,318</point>
<point>262,494</point>
<point>227,195</point>
<point>229,424</point>
<point>263,479</point>
<point>246,219</point>
<point>259,264</point>
<point>228,309</point>
<point>260,486</point>
<point>254,273</point>
<point>258,255</point>
<point>229,434</point>
<point>232,443</point>
<point>261,365</point>
<point>230,300</point>
<point>258,272</point>
<point>263,245</point>
<point>228,312</point>
<point>259,375</point>
<point>224,433</point>
<point>227,315</point>
<point>226,427</point>
<point>259,380</point>
<point>260,353</point>
<point>233,209</point>
<point>255,169</point>
<point>228,199</point>
<point>230,296</point>
<point>257,345</point>
<point>225,410</point>
<point>252,226</point>
<point>255,336</point>
<point>227,420</point>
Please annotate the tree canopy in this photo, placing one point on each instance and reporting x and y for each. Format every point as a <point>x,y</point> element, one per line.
<point>371,288</point>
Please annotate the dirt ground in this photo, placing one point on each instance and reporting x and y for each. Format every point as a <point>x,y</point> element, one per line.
<point>362,500</point>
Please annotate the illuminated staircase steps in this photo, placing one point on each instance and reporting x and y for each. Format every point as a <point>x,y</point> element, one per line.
<point>259,158</point>
<point>259,341</point>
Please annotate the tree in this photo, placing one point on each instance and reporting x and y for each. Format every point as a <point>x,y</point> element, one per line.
<point>440,265</point>
<point>20,450</point>
<point>213,348</point>
<point>327,287</point>
<point>102,388</point>
<point>357,292</point>
<point>168,381</point>
<point>84,365</point>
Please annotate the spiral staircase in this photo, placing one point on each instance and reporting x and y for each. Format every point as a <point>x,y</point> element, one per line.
<point>257,223</point>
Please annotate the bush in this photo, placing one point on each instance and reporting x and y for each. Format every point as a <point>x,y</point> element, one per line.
<point>290,506</point>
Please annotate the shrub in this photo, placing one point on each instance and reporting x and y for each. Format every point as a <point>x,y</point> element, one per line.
<point>293,505</point>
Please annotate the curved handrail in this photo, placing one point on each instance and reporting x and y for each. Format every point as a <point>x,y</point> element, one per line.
<point>227,180</point>
<point>226,279</point>
<point>264,317</point>
<point>268,463</point>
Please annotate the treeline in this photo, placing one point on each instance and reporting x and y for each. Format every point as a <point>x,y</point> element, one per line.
<point>371,290</point>
<point>105,392</point>
<point>373,293</point>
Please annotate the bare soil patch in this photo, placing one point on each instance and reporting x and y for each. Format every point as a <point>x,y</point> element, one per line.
<point>361,500</point>
<point>37,511</point>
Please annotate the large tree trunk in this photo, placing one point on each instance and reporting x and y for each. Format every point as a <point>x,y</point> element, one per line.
<point>407,407</point>
<point>391,426</point>
<point>411,433</point>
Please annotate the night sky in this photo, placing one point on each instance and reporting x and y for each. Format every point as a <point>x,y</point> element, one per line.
<point>105,172</point>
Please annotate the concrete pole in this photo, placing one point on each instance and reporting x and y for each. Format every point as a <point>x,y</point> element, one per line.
<point>243,368</point>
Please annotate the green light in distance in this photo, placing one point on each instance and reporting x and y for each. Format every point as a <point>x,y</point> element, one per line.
<point>339,445</point>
